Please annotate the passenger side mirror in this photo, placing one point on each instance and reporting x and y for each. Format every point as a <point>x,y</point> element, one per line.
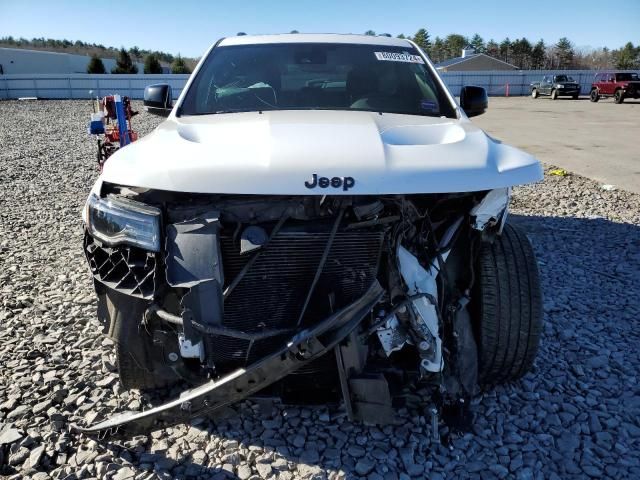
<point>158,99</point>
<point>473,100</point>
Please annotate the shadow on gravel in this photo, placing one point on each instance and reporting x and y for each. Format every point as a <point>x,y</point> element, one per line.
<point>576,414</point>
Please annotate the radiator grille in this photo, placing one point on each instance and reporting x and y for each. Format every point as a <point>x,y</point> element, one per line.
<point>272,293</point>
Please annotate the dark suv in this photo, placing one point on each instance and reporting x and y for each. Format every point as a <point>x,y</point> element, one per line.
<point>556,86</point>
<point>616,85</point>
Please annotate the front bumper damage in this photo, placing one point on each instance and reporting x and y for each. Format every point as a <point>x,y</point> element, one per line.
<point>303,348</point>
<point>358,278</point>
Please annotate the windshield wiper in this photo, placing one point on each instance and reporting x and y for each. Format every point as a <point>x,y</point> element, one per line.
<point>311,109</point>
<point>215,112</point>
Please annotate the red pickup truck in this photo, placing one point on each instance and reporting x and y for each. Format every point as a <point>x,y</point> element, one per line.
<point>616,85</point>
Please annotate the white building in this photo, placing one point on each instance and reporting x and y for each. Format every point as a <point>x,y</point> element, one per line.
<point>19,60</point>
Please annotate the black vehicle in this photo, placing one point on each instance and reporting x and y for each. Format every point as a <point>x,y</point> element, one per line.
<point>556,86</point>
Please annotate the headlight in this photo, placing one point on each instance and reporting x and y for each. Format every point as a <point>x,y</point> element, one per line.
<point>559,86</point>
<point>116,220</point>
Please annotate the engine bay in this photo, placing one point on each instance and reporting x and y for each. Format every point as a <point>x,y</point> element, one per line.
<point>237,278</point>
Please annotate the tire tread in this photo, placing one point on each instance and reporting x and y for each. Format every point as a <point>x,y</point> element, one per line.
<point>510,308</point>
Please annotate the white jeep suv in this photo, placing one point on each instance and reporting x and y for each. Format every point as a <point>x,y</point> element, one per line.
<point>318,218</point>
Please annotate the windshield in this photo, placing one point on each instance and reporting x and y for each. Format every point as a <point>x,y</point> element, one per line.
<point>311,76</point>
<point>626,77</point>
<point>564,78</point>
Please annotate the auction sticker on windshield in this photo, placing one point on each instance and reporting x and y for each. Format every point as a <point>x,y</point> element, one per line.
<point>398,57</point>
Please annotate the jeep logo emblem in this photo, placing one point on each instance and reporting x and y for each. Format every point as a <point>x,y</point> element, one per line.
<point>336,182</point>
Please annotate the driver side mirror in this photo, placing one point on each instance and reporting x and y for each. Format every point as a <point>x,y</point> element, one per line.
<point>158,99</point>
<point>473,100</point>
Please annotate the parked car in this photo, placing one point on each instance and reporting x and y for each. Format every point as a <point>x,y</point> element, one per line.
<point>619,85</point>
<point>556,86</point>
<point>316,216</point>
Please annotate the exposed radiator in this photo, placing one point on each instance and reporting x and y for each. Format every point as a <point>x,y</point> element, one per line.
<point>272,292</point>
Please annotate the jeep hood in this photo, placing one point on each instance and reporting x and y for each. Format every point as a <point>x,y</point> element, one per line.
<point>277,152</point>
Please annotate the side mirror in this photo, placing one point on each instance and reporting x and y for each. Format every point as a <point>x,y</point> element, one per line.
<point>158,99</point>
<point>473,100</point>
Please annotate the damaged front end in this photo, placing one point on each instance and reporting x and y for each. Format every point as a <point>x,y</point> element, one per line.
<point>233,294</point>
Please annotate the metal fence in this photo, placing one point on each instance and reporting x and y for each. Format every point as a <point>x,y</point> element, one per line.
<point>78,86</point>
<point>517,82</point>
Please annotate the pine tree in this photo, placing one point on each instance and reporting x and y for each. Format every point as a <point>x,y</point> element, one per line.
<point>564,53</point>
<point>124,63</point>
<point>477,43</point>
<point>521,52</point>
<point>505,50</point>
<point>421,38</point>
<point>370,33</point>
<point>437,53</point>
<point>537,55</point>
<point>95,65</point>
<point>628,57</point>
<point>401,36</point>
<point>152,65</point>
<point>179,66</point>
<point>454,44</point>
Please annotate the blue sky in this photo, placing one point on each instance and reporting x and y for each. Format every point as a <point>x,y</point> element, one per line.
<point>189,27</point>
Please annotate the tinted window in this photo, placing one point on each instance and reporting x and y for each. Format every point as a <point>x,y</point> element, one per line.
<point>626,77</point>
<point>315,76</point>
<point>561,78</point>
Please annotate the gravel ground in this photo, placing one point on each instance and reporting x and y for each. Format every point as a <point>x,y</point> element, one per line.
<point>577,415</point>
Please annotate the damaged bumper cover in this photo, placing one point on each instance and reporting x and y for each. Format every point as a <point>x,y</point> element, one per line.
<point>301,349</point>
<point>492,209</point>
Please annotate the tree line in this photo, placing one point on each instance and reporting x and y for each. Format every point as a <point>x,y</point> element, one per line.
<point>520,52</point>
<point>125,58</point>
<point>527,55</point>
<point>125,64</point>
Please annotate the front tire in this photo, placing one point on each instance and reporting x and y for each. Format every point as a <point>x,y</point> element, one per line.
<point>534,93</point>
<point>554,94</point>
<point>509,313</point>
<point>594,96</point>
<point>618,97</point>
